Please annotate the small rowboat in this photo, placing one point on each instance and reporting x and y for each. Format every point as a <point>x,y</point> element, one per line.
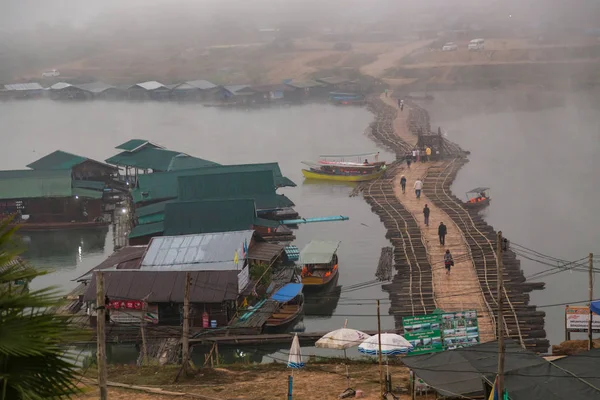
<point>319,262</point>
<point>478,198</point>
<point>290,307</point>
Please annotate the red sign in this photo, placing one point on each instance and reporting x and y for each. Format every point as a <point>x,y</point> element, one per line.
<point>126,304</point>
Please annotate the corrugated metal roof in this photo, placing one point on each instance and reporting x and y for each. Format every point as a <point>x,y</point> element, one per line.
<point>239,89</point>
<point>150,85</point>
<point>204,252</point>
<point>265,251</point>
<point>207,216</point>
<point>258,185</point>
<point>145,158</point>
<point>95,87</point>
<point>184,161</point>
<point>147,229</point>
<point>24,86</point>
<point>198,84</point>
<point>123,255</point>
<point>318,252</point>
<point>164,185</point>
<point>136,144</point>
<point>333,80</point>
<point>278,87</point>
<point>22,184</point>
<point>167,286</point>
<point>62,160</point>
<point>304,84</point>
<point>60,86</point>
<point>57,160</point>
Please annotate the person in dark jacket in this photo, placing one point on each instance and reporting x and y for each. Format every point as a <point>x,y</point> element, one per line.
<point>426,211</point>
<point>442,231</point>
<point>403,183</point>
<point>448,261</point>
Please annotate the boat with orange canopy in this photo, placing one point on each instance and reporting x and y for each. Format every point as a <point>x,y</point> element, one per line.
<point>478,198</point>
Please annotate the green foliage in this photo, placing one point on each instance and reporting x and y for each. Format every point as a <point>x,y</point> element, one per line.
<point>33,364</point>
<point>260,271</point>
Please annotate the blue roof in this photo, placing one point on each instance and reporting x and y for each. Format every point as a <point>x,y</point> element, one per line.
<point>287,293</point>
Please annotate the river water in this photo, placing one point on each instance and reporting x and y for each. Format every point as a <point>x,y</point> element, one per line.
<point>286,135</point>
<point>542,166</point>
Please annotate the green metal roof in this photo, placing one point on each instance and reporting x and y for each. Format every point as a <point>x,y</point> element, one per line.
<point>133,144</point>
<point>145,158</point>
<point>183,161</point>
<point>318,252</point>
<point>257,185</point>
<point>146,229</point>
<point>23,184</point>
<point>57,160</point>
<point>208,216</point>
<point>94,185</point>
<point>160,186</point>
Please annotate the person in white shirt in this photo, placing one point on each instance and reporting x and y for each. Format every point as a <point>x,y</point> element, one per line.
<point>414,154</point>
<point>418,187</point>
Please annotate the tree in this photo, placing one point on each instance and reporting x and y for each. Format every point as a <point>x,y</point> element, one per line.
<point>33,363</point>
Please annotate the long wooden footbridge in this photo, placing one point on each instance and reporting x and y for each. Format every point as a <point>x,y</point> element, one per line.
<point>417,287</point>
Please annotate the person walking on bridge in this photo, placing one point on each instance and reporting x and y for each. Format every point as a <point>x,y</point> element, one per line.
<point>427,153</point>
<point>442,231</point>
<point>448,261</point>
<point>403,183</point>
<point>426,211</point>
<point>418,188</point>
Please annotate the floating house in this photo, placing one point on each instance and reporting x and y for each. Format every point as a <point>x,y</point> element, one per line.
<point>51,200</point>
<point>199,90</point>
<point>338,83</point>
<point>23,90</point>
<point>66,91</point>
<point>164,185</point>
<point>219,265</point>
<point>140,156</point>
<point>203,216</point>
<point>151,90</point>
<point>101,90</point>
<point>302,90</point>
<point>271,93</point>
<point>243,94</point>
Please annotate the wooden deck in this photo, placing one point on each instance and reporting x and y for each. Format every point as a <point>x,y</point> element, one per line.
<point>461,289</point>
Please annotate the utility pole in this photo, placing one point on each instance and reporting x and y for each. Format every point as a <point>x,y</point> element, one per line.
<point>591,264</point>
<point>500,318</point>
<point>101,335</point>
<point>380,356</point>
<point>143,330</point>
<point>185,350</point>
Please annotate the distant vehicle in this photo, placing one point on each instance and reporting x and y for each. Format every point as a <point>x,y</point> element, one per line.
<point>51,73</point>
<point>450,46</point>
<point>476,45</point>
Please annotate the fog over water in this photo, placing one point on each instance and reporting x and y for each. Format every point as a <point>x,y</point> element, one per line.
<point>542,167</point>
<point>287,135</point>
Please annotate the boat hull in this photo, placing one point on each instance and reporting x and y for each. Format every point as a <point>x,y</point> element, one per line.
<point>478,204</point>
<point>341,178</point>
<point>316,284</point>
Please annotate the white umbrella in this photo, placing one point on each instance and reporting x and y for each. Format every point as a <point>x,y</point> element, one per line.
<point>390,344</point>
<point>295,359</point>
<point>342,339</point>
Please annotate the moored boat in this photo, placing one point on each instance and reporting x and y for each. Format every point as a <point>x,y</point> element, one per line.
<point>344,173</point>
<point>351,159</point>
<point>319,262</point>
<point>289,309</point>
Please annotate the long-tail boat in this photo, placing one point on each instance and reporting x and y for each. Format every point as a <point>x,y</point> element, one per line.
<point>319,262</point>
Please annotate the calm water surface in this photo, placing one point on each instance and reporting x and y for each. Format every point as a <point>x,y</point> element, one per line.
<point>543,169</point>
<point>287,135</point>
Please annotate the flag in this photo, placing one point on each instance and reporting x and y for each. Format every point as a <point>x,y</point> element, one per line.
<point>245,249</point>
<point>493,394</point>
<point>236,258</point>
